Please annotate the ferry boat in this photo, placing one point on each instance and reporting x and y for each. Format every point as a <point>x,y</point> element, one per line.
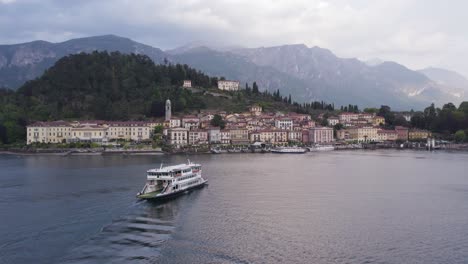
<point>169,181</point>
<point>289,150</point>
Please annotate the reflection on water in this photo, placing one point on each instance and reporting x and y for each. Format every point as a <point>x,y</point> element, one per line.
<point>133,238</point>
<point>332,207</point>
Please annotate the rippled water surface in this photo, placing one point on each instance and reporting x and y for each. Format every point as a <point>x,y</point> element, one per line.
<point>331,207</point>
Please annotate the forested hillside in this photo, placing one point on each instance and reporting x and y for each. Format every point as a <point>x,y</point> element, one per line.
<point>109,86</point>
<point>114,86</point>
<point>99,86</point>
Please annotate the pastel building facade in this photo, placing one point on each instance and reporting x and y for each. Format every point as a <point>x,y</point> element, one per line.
<point>87,131</point>
<point>319,135</point>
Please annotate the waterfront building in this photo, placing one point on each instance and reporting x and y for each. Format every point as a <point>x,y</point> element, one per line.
<point>295,136</point>
<point>214,135</point>
<point>225,136</point>
<point>137,130</point>
<point>48,132</point>
<point>402,133</point>
<point>305,136</point>
<point>239,136</point>
<point>178,136</point>
<point>342,134</point>
<point>227,85</point>
<point>363,134</point>
<point>88,133</point>
<point>416,134</point>
<point>387,135</point>
<point>197,137</point>
<point>255,136</point>
<point>187,84</point>
<point>168,110</point>
<point>281,137</point>
<point>271,136</point>
<point>321,135</point>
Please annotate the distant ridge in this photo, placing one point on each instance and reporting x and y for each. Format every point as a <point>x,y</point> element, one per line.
<point>452,82</point>
<point>306,73</point>
<point>22,62</point>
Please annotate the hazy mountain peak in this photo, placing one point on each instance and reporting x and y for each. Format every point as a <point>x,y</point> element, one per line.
<point>194,45</point>
<point>373,62</point>
<point>451,82</point>
<point>306,73</point>
<point>299,46</point>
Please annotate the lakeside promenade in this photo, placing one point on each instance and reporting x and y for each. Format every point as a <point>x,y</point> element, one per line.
<point>204,150</point>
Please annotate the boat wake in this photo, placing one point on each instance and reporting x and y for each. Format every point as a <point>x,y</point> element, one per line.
<point>135,238</point>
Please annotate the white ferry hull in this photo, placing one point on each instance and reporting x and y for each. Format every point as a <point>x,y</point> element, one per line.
<point>163,196</point>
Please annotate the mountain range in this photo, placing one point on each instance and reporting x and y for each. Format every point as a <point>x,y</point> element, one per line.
<point>307,73</point>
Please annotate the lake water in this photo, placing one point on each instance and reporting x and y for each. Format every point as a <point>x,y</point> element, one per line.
<point>332,207</point>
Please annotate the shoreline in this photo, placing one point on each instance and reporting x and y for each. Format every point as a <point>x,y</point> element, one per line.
<point>160,152</point>
<point>80,153</point>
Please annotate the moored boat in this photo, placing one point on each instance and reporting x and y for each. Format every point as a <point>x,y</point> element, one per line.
<point>215,150</point>
<point>169,181</point>
<point>289,150</point>
<point>321,148</point>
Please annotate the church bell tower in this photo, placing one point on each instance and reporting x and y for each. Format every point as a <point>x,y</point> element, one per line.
<point>168,110</point>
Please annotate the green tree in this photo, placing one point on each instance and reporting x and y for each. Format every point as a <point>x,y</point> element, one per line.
<point>3,134</point>
<point>218,121</point>
<point>463,107</point>
<point>338,126</point>
<point>247,88</point>
<point>371,110</point>
<point>158,135</point>
<point>418,120</point>
<point>255,88</point>
<point>158,129</point>
<point>460,136</point>
<point>324,122</point>
<point>386,112</point>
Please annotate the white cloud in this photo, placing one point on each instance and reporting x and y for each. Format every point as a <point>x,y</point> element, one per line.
<point>417,33</point>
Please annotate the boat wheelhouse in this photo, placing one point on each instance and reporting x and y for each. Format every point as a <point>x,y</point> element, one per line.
<point>171,180</point>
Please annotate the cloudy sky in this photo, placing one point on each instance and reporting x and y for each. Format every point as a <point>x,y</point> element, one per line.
<point>417,33</point>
